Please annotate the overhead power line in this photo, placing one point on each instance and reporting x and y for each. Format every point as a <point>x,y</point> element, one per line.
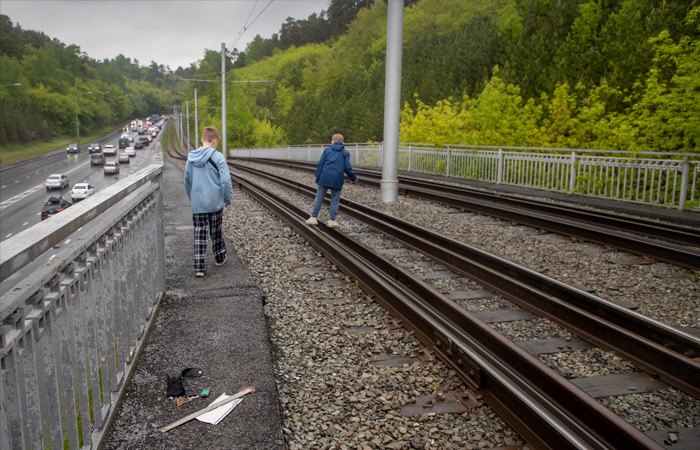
<point>247,25</point>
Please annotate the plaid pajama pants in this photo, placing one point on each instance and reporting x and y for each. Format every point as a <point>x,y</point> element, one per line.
<point>203,223</point>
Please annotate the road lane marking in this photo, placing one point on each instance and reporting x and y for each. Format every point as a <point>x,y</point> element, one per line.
<point>19,197</point>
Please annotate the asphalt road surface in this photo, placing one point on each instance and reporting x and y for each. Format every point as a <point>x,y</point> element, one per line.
<point>22,190</point>
<point>23,193</point>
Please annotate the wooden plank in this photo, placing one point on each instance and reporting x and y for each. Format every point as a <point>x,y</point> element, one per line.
<point>215,405</point>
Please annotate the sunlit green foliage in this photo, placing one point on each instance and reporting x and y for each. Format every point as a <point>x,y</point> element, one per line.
<point>614,74</point>
<point>579,74</point>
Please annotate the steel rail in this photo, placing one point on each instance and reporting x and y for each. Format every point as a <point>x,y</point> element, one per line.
<point>657,348</point>
<point>635,244</point>
<point>541,405</point>
<point>663,231</point>
<point>666,232</point>
<point>669,243</point>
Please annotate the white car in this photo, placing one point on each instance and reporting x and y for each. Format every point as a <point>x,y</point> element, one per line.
<point>130,151</point>
<point>81,191</point>
<point>109,150</point>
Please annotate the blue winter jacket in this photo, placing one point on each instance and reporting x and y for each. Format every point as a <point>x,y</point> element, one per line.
<point>209,189</point>
<point>334,163</point>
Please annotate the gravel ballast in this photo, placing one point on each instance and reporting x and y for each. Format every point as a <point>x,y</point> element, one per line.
<point>329,338</point>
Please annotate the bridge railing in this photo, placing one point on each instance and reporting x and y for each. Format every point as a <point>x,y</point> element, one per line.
<point>670,180</point>
<point>71,329</point>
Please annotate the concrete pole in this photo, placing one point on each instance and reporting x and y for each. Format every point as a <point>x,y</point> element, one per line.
<point>196,122</point>
<point>223,99</point>
<point>77,121</point>
<point>182,135</point>
<point>389,190</point>
<point>187,106</point>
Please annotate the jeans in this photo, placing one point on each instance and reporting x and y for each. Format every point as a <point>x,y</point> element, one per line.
<point>335,201</point>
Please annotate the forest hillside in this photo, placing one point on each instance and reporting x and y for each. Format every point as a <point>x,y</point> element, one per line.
<point>606,74</point>
<point>620,74</point>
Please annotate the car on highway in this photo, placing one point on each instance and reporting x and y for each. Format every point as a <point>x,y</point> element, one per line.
<point>111,167</point>
<point>130,151</point>
<point>109,150</point>
<point>123,158</point>
<point>52,206</point>
<point>97,159</point>
<point>73,148</point>
<point>57,181</point>
<point>138,145</point>
<point>81,191</point>
<point>95,147</point>
<point>144,140</point>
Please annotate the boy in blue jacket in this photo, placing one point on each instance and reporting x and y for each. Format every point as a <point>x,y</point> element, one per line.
<point>330,174</point>
<point>208,185</point>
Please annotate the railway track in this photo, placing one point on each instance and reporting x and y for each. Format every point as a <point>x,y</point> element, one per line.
<point>546,409</point>
<point>673,243</point>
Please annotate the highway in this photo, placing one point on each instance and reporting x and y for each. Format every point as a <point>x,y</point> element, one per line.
<point>23,194</point>
<point>22,191</point>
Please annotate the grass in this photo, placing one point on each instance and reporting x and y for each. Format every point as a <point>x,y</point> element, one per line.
<point>16,152</point>
<point>170,139</point>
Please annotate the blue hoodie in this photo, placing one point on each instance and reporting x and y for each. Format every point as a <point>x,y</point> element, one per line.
<point>208,189</point>
<point>334,162</point>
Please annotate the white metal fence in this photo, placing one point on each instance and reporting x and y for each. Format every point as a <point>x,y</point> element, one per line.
<point>650,178</point>
<point>71,329</point>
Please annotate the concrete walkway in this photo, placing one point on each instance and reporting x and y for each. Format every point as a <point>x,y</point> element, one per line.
<point>215,323</point>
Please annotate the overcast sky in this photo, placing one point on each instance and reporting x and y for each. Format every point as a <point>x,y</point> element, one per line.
<point>170,32</point>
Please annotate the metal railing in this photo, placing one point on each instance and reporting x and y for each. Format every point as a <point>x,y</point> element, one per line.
<point>652,178</point>
<point>72,328</point>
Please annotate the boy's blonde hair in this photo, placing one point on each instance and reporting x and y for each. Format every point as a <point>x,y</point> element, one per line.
<point>337,138</point>
<point>209,134</point>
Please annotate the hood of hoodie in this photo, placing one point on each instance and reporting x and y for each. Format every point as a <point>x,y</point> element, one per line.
<point>200,156</point>
<point>337,146</point>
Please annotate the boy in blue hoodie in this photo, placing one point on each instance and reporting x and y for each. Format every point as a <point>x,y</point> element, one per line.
<point>330,174</point>
<point>208,185</point>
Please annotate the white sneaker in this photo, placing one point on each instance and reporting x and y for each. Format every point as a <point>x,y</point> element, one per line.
<point>332,224</point>
<point>312,221</point>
